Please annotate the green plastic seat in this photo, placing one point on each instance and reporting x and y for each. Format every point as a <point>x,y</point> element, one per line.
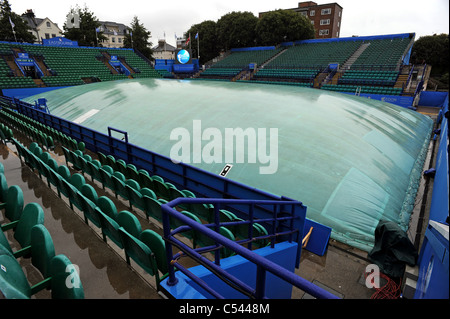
<point>42,249</point>
<point>13,205</point>
<point>3,188</point>
<point>90,192</point>
<point>92,167</point>
<point>121,166</point>
<point>132,188</point>
<point>13,282</point>
<point>105,174</point>
<point>129,222</point>
<point>77,180</point>
<point>110,228</point>
<point>148,192</point>
<point>62,270</point>
<point>107,206</point>
<point>132,172</point>
<point>111,161</point>
<point>64,172</point>
<point>146,181</point>
<point>88,207</point>
<point>32,215</point>
<point>152,208</point>
<point>138,251</point>
<point>156,243</point>
<point>161,189</point>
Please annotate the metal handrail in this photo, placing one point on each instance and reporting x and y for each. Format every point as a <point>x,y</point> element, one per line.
<point>263,264</point>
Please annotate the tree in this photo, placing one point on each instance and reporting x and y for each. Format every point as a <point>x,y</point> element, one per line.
<point>206,41</point>
<point>85,34</point>
<point>138,38</point>
<point>433,50</point>
<point>21,29</point>
<point>236,30</point>
<point>279,26</point>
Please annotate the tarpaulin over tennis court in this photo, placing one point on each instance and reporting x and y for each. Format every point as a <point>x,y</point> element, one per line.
<point>352,161</point>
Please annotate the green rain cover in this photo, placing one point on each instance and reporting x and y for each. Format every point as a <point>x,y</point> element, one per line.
<point>352,161</point>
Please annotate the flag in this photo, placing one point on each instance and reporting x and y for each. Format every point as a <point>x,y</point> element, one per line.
<point>115,32</point>
<point>131,33</point>
<point>12,23</point>
<point>189,39</point>
<point>97,29</point>
<point>196,36</point>
<point>176,36</point>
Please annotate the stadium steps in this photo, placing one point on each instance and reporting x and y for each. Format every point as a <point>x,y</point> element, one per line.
<point>355,56</point>
<point>336,78</point>
<point>40,62</point>
<point>39,83</point>
<point>273,58</point>
<point>105,60</point>
<point>125,64</point>
<point>10,61</point>
<point>402,80</point>
<point>320,78</point>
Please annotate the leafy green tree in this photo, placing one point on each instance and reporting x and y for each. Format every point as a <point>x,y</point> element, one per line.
<point>206,41</point>
<point>278,26</point>
<point>138,38</point>
<point>86,33</point>
<point>21,28</point>
<point>236,30</point>
<point>432,50</point>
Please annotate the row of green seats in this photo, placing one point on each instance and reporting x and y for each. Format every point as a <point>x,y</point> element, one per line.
<point>244,58</point>
<point>146,248</point>
<point>29,130</point>
<point>221,72</point>
<point>364,89</point>
<point>22,122</point>
<point>283,73</point>
<point>291,83</point>
<point>6,134</point>
<point>145,192</point>
<point>36,244</point>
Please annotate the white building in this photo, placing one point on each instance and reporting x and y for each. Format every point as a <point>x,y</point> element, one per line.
<point>115,32</point>
<point>164,51</point>
<point>41,28</point>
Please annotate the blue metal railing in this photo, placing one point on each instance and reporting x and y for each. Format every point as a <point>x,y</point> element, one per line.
<point>287,220</point>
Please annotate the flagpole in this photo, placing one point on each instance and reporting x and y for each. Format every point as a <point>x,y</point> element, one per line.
<point>198,47</point>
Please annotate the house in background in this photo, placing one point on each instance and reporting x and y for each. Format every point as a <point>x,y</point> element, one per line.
<point>164,51</point>
<point>41,28</point>
<point>115,33</point>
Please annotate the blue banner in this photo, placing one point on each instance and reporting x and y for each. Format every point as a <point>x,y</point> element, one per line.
<point>60,42</point>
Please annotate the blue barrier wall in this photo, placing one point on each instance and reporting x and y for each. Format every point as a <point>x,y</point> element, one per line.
<point>403,101</point>
<point>433,281</point>
<point>431,98</point>
<point>253,49</point>
<point>26,92</point>
<point>241,268</point>
<point>164,64</point>
<point>439,208</point>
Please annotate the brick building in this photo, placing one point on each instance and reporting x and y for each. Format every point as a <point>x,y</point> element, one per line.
<point>326,18</point>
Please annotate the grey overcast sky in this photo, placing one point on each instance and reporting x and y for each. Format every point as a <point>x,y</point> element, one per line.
<point>173,17</point>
